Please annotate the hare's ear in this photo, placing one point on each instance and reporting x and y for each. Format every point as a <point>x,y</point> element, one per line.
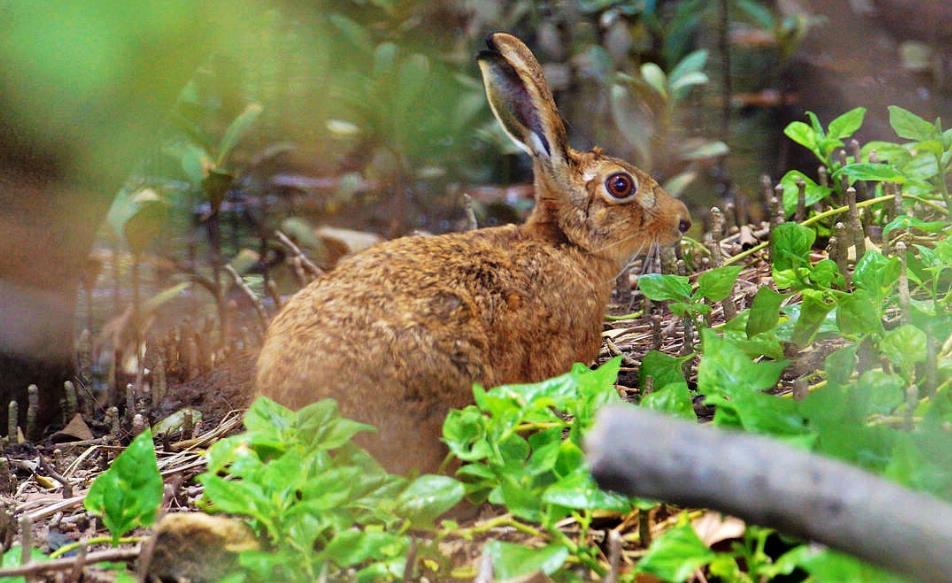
<point>520,98</point>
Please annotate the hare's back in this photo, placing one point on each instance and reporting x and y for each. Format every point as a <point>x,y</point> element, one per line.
<point>404,311</point>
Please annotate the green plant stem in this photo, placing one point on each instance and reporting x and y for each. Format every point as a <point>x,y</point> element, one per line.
<point>815,219</point>
<point>506,520</point>
<point>573,548</point>
<point>943,187</point>
<point>96,540</point>
<point>697,244</point>
<point>630,316</point>
<point>541,426</point>
<point>810,389</point>
<point>928,202</point>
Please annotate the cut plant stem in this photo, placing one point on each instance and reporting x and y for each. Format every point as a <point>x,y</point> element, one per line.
<point>855,226</point>
<point>801,212</point>
<point>717,233</point>
<point>13,414</point>
<point>32,408</point>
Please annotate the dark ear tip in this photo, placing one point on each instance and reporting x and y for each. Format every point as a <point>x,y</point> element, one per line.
<point>490,42</point>
<point>486,55</point>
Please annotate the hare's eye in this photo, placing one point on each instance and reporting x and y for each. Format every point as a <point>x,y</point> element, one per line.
<point>620,185</point>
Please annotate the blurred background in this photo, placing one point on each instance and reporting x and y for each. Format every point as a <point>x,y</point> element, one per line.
<point>148,150</point>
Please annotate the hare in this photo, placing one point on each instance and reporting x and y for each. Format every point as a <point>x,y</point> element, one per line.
<point>399,333</point>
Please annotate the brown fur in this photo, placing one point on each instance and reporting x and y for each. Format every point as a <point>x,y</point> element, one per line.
<point>400,332</point>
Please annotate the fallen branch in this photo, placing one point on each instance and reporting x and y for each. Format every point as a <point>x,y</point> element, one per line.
<point>762,481</point>
<point>66,564</point>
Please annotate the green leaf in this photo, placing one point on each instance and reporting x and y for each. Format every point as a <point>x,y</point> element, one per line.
<point>839,365</point>
<point>428,497</point>
<point>726,369</point>
<point>664,369</point>
<point>352,546</point>
<point>464,432</point>
<point>825,566</point>
<point>579,491</point>
<point>762,16</point>
<point>267,416</point>
<point>676,185</point>
<point>905,346</point>
<point>876,273</point>
<point>761,413</point>
<point>804,135</point>
<point>764,311</point>
<point>846,125</point>
<point>511,560</point>
<point>673,399</point>
<point>680,87</point>
<point>813,310</point>
<point>691,63</point>
<point>241,497</point>
<point>716,284</point>
<point>12,558</point>
<point>875,172</point>
<point>320,426</point>
<point>790,245</point>
<point>825,274</point>
<point>877,392</point>
<point>236,130</point>
<point>858,314</point>
<point>909,222</point>
<point>816,125</point>
<point>655,78</point>
<point>910,126</point>
<point>704,150</point>
<point>676,555</point>
<point>138,216</point>
<point>661,288</point>
<point>128,494</point>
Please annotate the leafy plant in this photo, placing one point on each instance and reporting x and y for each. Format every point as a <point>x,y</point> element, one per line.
<point>128,494</point>
<point>644,106</point>
<point>713,286</point>
<point>521,445</point>
<point>921,164</point>
<point>321,503</point>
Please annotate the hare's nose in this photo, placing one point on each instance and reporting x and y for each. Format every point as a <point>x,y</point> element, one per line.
<point>684,225</point>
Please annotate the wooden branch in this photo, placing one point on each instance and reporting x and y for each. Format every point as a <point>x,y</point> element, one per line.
<point>67,563</point>
<point>247,291</point>
<point>763,481</point>
<point>288,244</point>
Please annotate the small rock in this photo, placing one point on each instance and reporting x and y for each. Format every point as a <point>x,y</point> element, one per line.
<point>194,546</point>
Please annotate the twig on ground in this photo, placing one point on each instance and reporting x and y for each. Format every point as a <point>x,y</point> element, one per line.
<point>68,563</point>
<point>51,472</point>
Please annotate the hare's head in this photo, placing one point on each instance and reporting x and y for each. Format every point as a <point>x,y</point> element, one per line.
<point>602,204</point>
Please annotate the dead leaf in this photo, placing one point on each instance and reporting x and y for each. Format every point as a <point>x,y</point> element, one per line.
<point>75,430</point>
<point>45,482</point>
<point>714,527</point>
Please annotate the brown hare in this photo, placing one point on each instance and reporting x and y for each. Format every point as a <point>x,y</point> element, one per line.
<point>399,333</point>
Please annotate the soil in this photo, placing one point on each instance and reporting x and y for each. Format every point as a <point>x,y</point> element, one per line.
<point>224,389</point>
